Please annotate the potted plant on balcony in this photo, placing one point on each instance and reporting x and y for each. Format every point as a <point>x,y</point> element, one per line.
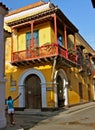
<point>71,54</point>
<point>71,51</point>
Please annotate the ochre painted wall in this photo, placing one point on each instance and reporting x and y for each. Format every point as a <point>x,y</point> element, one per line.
<point>44,34</point>
<point>45,69</point>
<point>75,78</point>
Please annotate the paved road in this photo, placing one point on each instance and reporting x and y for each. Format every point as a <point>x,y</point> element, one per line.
<point>75,118</point>
<point>80,120</point>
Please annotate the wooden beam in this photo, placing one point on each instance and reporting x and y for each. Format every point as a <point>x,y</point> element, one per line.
<point>22,24</point>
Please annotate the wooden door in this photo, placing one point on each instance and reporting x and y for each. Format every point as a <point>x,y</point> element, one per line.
<point>80,92</point>
<point>89,92</point>
<point>33,92</point>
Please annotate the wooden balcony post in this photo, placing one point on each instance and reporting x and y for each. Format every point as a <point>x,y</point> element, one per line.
<point>65,39</point>
<point>55,29</point>
<point>32,34</point>
<point>65,36</point>
<point>75,46</point>
<point>74,41</point>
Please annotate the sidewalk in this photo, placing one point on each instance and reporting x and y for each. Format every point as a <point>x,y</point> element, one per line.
<point>51,113</point>
<point>79,107</point>
<point>29,118</point>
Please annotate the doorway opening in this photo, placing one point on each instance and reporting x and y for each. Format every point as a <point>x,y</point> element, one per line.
<point>32,92</point>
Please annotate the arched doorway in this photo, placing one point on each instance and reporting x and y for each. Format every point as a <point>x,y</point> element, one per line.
<point>60,92</point>
<point>29,74</point>
<point>33,92</point>
<point>61,89</point>
<point>89,92</point>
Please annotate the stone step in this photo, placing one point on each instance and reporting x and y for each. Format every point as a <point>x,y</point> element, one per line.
<point>32,110</point>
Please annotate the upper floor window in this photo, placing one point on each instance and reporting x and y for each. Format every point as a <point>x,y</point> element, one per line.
<point>36,38</point>
<point>29,38</point>
<point>60,39</point>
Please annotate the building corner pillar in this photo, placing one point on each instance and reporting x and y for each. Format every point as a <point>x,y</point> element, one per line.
<point>3,121</point>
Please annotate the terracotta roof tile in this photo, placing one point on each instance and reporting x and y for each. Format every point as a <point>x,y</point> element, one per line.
<point>36,4</point>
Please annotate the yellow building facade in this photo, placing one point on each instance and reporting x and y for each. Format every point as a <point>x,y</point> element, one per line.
<point>47,60</point>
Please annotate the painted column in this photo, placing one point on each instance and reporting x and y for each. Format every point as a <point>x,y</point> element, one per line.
<point>55,95</point>
<point>44,105</point>
<point>22,97</point>
<point>3,11</point>
<point>65,92</point>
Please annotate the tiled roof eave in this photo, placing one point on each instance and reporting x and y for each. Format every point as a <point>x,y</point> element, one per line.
<point>36,4</point>
<point>44,14</point>
<point>33,17</point>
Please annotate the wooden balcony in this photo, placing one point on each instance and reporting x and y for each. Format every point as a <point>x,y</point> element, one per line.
<point>43,53</point>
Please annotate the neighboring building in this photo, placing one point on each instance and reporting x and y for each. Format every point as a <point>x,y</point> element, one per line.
<point>89,59</point>
<point>47,60</point>
<point>3,12</point>
<point>93,3</point>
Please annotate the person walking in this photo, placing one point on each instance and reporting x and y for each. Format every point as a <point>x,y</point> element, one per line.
<point>10,104</point>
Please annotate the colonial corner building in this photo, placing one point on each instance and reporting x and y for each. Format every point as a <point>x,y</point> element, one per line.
<point>47,60</point>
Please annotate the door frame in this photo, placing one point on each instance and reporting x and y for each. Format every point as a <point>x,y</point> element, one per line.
<point>21,86</point>
<point>63,76</point>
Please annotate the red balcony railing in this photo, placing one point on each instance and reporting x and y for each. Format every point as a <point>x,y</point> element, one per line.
<point>44,51</point>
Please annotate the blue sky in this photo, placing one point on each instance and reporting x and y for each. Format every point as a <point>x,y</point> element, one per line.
<point>80,12</point>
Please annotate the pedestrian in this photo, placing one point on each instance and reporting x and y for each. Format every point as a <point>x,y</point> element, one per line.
<point>10,104</point>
